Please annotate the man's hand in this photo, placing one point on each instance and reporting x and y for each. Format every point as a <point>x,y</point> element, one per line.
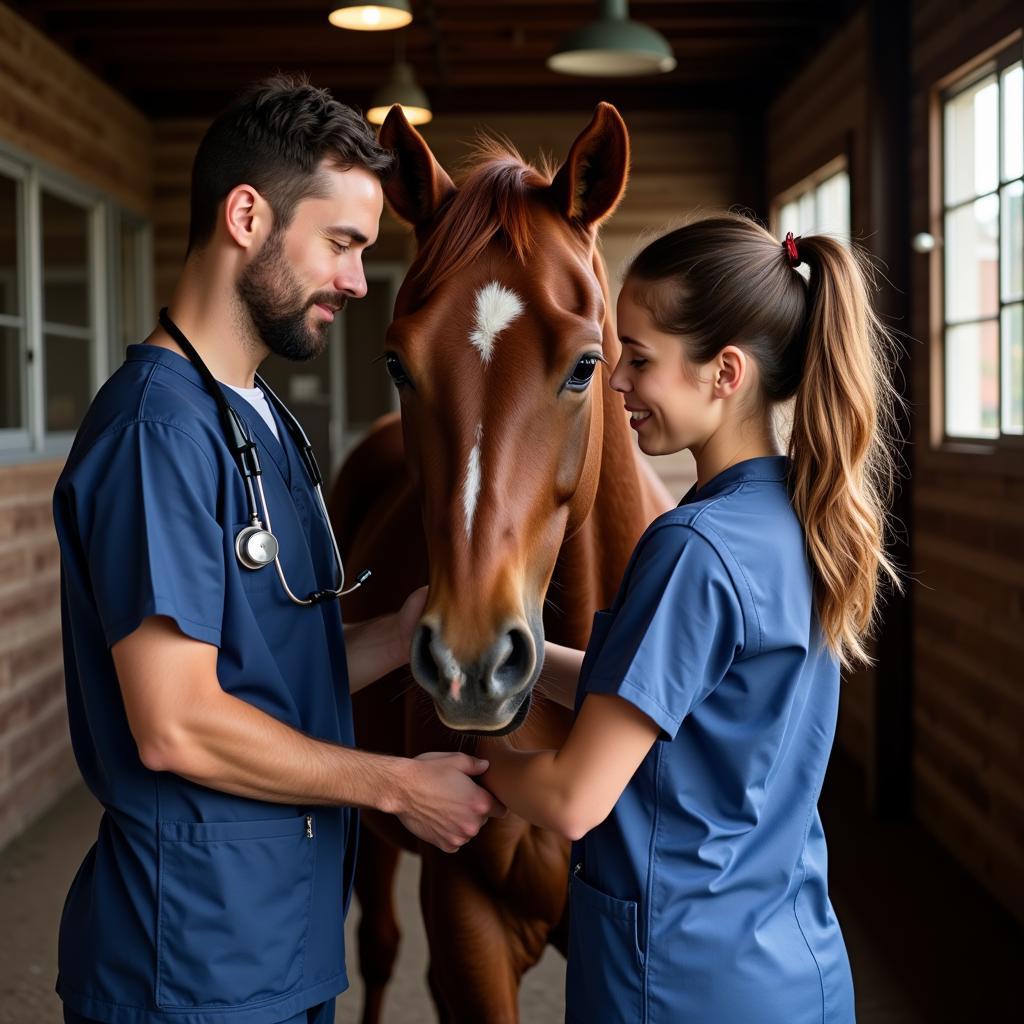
<point>439,801</point>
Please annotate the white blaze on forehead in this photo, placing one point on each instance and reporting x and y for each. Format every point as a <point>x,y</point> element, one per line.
<point>496,307</point>
<point>471,485</point>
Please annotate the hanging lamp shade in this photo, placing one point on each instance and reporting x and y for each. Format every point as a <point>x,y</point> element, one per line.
<point>613,47</point>
<point>403,89</point>
<point>371,17</point>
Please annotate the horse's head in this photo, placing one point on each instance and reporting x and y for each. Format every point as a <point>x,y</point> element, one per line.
<point>496,348</point>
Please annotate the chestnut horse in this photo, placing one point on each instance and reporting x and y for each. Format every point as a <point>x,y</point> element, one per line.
<point>511,474</point>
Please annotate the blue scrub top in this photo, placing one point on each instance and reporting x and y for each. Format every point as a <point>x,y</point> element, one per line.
<point>703,896</point>
<point>196,906</point>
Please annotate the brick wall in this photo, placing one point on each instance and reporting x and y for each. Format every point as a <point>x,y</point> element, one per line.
<point>58,112</point>
<point>35,755</point>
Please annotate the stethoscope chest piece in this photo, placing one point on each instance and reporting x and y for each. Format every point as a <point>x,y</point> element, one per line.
<point>256,547</point>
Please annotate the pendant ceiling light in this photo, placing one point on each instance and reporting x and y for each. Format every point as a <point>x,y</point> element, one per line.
<point>371,17</point>
<point>613,46</point>
<point>403,89</point>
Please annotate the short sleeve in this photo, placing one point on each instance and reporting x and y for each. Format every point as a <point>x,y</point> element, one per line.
<point>145,502</point>
<point>676,632</point>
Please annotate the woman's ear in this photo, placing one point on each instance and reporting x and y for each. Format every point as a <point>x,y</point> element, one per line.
<point>729,371</point>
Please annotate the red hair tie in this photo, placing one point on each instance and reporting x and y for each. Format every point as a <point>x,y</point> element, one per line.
<point>791,253</point>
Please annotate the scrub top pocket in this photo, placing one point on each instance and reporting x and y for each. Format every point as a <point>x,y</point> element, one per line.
<point>233,912</point>
<point>604,979</point>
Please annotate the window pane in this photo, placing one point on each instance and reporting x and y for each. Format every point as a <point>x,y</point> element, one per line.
<point>1012,241</point>
<point>834,206</point>
<point>972,260</point>
<point>806,216</point>
<point>68,376</point>
<point>1013,369</point>
<point>10,290</point>
<point>789,219</point>
<point>972,380</point>
<point>972,141</point>
<point>65,262</point>
<point>11,379</point>
<point>1013,121</point>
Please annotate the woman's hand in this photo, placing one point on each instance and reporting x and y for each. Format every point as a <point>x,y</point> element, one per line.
<point>406,620</point>
<point>379,646</point>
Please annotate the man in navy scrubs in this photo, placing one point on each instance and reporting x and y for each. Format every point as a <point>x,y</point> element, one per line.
<point>209,713</point>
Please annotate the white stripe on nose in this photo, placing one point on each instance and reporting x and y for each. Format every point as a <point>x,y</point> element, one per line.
<point>495,308</point>
<point>471,485</point>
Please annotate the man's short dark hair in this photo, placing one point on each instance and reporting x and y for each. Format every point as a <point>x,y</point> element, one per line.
<point>274,137</point>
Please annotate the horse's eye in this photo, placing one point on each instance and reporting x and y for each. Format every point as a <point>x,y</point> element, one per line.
<point>582,372</point>
<point>396,370</point>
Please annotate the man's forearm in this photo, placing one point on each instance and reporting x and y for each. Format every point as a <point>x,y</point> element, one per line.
<point>230,745</point>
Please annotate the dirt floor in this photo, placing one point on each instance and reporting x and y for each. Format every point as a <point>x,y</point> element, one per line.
<point>927,945</point>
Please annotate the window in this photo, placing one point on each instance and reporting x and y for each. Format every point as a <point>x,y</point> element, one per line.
<point>13,397</point>
<point>69,335</point>
<point>74,275</point>
<point>338,396</point>
<point>983,251</point>
<point>818,205</point>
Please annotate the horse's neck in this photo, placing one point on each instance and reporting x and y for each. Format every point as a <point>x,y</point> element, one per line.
<point>629,496</point>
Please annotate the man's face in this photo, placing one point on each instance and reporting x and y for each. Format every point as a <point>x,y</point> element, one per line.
<point>302,276</point>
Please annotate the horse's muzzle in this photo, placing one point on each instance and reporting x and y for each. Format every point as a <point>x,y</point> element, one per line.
<point>487,694</point>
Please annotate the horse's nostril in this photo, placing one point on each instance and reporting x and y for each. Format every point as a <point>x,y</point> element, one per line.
<point>517,664</point>
<point>423,657</point>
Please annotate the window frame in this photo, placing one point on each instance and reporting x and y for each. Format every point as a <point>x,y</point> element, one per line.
<point>19,439</point>
<point>991,62</point>
<point>33,442</point>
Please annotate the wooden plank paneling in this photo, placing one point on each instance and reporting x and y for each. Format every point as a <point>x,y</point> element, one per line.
<point>55,109</point>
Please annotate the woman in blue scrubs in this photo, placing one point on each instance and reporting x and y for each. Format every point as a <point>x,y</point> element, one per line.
<point>708,694</point>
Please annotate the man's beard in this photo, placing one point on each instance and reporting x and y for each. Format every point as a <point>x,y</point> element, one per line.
<point>273,299</point>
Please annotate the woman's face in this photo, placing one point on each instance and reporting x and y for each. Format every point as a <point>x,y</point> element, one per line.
<point>670,405</point>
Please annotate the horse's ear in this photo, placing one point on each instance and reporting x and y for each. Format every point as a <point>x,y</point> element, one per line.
<point>590,183</point>
<point>419,185</point>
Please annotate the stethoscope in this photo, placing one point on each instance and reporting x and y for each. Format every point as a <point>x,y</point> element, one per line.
<point>256,546</point>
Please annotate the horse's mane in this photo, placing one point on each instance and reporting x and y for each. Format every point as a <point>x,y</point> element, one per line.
<point>492,200</point>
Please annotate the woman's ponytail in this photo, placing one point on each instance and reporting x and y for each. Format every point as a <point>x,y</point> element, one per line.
<point>841,446</point>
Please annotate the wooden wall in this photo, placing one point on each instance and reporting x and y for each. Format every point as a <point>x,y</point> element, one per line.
<point>54,110</point>
<point>968,509</point>
<point>822,114</point>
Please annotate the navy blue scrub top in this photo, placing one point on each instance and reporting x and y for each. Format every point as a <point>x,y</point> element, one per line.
<point>703,896</point>
<point>196,906</point>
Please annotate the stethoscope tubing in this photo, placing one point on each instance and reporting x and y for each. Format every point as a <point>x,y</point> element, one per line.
<point>247,460</point>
